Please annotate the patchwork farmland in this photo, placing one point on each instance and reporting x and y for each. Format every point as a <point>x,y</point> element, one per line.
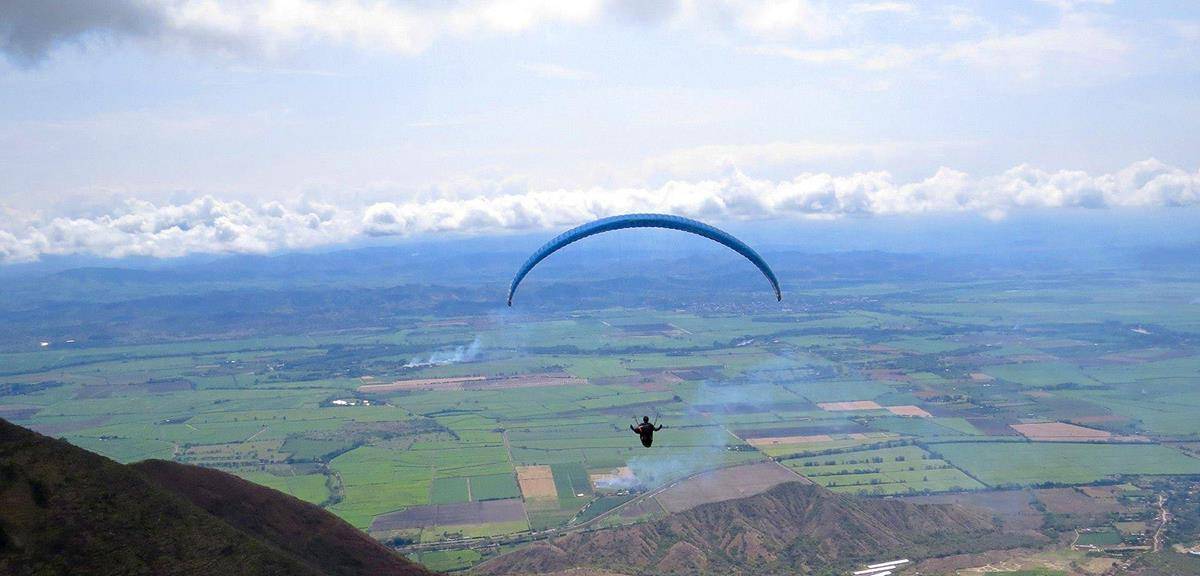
<point>936,397</point>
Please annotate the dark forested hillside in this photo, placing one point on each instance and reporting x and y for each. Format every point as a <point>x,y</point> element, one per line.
<point>64,510</point>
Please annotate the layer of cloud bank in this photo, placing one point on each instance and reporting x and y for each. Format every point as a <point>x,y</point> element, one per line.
<point>210,225</point>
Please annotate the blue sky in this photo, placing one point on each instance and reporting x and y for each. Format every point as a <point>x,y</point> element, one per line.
<point>168,127</point>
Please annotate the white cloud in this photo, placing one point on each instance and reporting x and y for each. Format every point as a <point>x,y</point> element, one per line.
<point>209,225</point>
<point>1077,49</point>
<point>204,225</point>
<point>556,71</point>
<point>701,161</point>
<point>1067,5</point>
<point>774,18</point>
<point>1076,45</point>
<point>882,8</point>
<point>870,58</point>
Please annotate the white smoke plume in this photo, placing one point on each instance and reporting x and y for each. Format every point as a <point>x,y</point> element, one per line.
<point>211,225</point>
<point>706,445</point>
<point>453,356</point>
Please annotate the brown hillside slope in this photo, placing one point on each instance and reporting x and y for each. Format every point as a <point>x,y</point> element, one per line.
<point>793,528</point>
<point>64,510</point>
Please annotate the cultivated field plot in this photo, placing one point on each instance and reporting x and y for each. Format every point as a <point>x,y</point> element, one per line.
<point>1023,463</point>
<point>899,470</point>
<point>460,383</point>
<point>916,411</point>
<point>1075,502</point>
<point>843,395</point>
<point>777,440</point>
<point>311,488</point>
<point>492,511</point>
<point>851,405</point>
<point>725,484</point>
<point>420,384</point>
<point>1014,506</point>
<point>537,482</point>
<point>1050,431</point>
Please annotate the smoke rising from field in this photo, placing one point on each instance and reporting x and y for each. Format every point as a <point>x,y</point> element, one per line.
<point>707,442</point>
<point>443,357</point>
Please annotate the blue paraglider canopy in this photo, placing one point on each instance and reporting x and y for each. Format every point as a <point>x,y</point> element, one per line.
<point>644,221</point>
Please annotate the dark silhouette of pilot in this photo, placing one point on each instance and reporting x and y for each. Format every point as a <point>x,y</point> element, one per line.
<point>646,430</point>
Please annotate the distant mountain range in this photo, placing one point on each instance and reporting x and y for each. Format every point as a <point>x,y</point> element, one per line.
<point>792,529</point>
<point>64,510</point>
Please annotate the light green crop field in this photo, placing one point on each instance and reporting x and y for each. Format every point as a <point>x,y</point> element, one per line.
<point>885,471</point>
<point>1025,463</point>
<point>308,487</point>
<point>979,357</point>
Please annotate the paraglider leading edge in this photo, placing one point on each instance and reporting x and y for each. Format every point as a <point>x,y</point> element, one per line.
<point>645,221</point>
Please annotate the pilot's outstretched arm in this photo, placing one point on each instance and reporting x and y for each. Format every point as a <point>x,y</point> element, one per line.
<point>659,428</point>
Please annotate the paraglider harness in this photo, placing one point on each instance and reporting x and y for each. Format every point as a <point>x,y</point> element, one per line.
<point>646,430</point>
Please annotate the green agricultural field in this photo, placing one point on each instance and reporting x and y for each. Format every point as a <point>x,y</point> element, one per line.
<point>978,355</point>
<point>376,481</point>
<point>899,470</point>
<point>308,487</point>
<point>494,487</point>
<point>1041,374</point>
<point>1026,463</point>
<point>447,560</point>
<point>449,491</point>
<point>570,479</point>
<point>1107,537</point>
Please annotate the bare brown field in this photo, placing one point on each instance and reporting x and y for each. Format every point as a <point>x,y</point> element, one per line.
<point>888,374</point>
<point>775,440</point>
<point>420,384</point>
<point>1014,506</point>
<point>1098,419</point>
<point>725,484</point>
<point>1059,431</point>
<point>60,426</point>
<point>18,411</point>
<point>1069,501</point>
<point>489,511</point>
<point>852,405</point>
<point>537,483</point>
<point>474,383</point>
<point>1103,492</point>
<point>649,380</point>
<point>981,377</point>
<point>526,381</point>
<point>845,427</point>
<point>646,507</point>
<point>909,411</point>
<point>992,426</point>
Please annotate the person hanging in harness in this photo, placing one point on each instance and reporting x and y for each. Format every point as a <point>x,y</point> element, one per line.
<point>646,430</point>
